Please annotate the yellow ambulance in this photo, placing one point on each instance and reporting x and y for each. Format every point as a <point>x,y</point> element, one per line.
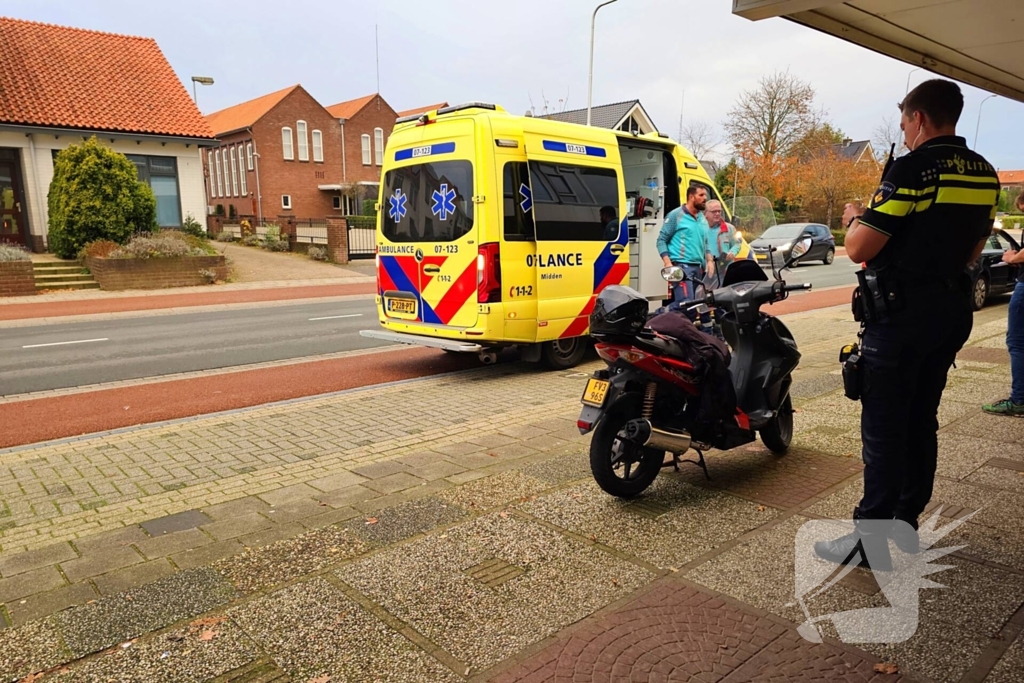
<point>497,230</point>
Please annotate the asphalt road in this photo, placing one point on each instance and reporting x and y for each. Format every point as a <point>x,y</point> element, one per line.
<point>82,353</point>
<point>841,272</point>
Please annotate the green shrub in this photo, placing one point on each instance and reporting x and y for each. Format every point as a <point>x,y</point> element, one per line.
<point>96,194</point>
<point>9,252</point>
<point>317,253</point>
<point>200,243</point>
<point>251,241</point>
<point>840,236</point>
<point>368,207</point>
<point>276,245</point>
<point>219,210</point>
<point>193,227</point>
<point>98,248</point>
<point>273,233</point>
<point>369,222</point>
<point>157,246</point>
<point>225,236</point>
<point>231,211</point>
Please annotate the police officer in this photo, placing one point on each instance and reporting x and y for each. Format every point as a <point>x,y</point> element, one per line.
<point>916,303</point>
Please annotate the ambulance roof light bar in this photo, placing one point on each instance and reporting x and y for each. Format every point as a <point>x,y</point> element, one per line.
<point>467,105</point>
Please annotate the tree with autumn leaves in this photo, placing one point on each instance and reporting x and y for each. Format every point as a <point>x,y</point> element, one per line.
<point>788,152</point>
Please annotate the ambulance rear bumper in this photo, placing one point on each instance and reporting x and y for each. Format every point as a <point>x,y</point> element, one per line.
<point>417,340</point>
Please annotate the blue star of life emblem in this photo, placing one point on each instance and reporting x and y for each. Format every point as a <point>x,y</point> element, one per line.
<point>527,195</point>
<point>444,202</point>
<point>397,211</point>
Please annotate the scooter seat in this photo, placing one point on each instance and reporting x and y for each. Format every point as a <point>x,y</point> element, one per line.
<point>666,347</point>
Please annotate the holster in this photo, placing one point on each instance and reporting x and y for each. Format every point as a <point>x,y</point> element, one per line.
<point>876,296</point>
<point>853,381</point>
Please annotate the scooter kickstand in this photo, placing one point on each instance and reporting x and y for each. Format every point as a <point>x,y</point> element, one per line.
<point>703,465</point>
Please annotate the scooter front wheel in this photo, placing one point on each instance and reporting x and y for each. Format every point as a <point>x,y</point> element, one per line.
<point>621,467</point>
<point>778,434</point>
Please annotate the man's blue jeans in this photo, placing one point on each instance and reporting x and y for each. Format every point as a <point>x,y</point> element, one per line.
<point>685,291</point>
<point>1015,342</point>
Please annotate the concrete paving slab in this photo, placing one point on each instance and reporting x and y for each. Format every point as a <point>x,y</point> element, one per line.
<point>133,577</point>
<point>313,630</point>
<point>992,427</point>
<point>377,470</point>
<point>35,581</point>
<point>393,483</point>
<point>425,584</point>
<point>561,468</point>
<point>109,621</point>
<point>181,656</point>
<point>393,524</point>
<point>936,652</point>
<point>347,496</point>
<point>190,519</point>
<point>977,599</point>
<point>239,525</point>
<point>118,538</point>
<point>18,563</point>
<point>199,557</point>
<point>288,494</point>
<point>992,545</point>
<point>29,649</point>
<point>998,478</point>
<point>260,568</point>
<point>41,605</point>
<point>173,543</point>
<point>1010,668</point>
<point>235,508</point>
<point>100,562</point>
<point>492,492</point>
<point>671,524</point>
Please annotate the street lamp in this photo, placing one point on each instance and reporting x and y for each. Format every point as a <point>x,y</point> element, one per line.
<point>978,125</point>
<point>590,79</point>
<point>908,80</point>
<point>202,80</point>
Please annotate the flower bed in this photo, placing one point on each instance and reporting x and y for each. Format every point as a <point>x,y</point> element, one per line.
<point>16,278</point>
<point>157,262</point>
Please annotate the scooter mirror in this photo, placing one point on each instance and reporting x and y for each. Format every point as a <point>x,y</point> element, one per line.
<point>799,249</point>
<point>673,274</point>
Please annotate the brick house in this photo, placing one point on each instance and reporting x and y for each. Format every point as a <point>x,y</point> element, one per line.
<point>421,110</point>
<point>278,155</point>
<point>365,124</point>
<point>60,85</point>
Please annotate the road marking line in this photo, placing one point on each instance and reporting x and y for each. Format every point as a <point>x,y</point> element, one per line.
<point>335,317</point>
<point>80,341</point>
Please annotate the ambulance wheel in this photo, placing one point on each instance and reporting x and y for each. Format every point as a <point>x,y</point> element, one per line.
<point>562,354</point>
<point>778,433</point>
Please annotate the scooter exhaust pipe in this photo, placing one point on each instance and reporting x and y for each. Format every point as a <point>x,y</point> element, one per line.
<point>641,431</point>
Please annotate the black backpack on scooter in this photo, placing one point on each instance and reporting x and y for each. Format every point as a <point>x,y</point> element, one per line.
<point>710,358</point>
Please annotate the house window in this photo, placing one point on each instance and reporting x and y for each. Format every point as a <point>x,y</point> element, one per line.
<point>300,133</point>
<point>248,156</point>
<point>337,202</point>
<point>286,143</point>
<point>241,173</point>
<point>220,182</point>
<point>234,174</point>
<point>286,201</point>
<point>378,146</point>
<point>161,174</point>
<point>366,150</point>
<point>209,172</point>
<point>318,146</point>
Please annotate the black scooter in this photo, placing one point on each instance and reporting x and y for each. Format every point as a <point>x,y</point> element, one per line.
<point>646,402</point>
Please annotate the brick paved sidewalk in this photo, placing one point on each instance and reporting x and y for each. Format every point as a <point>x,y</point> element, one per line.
<point>447,529</point>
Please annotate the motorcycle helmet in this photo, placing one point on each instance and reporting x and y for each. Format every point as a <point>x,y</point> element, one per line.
<point>618,311</point>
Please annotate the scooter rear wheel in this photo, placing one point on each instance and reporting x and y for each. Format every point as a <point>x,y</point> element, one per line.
<point>778,434</point>
<point>621,467</point>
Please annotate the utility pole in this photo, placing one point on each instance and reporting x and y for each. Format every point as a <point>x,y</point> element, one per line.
<point>590,78</point>
<point>682,104</point>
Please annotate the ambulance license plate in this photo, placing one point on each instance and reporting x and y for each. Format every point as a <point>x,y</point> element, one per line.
<point>402,306</point>
<point>761,257</point>
<point>595,393</point>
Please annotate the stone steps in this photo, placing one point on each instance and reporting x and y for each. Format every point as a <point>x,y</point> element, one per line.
<point>62,275</point>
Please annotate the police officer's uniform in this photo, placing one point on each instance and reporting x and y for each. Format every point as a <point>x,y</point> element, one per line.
<point>936,204</point>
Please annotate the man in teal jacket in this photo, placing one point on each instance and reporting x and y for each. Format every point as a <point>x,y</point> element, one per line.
<point>683,241</point>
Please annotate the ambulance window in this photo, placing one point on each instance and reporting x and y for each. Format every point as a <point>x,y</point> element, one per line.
<point>517,202</point>
<point>567,201</point>
<point>430,202</point>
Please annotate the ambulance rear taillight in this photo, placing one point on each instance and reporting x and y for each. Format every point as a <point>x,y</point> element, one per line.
<point>488,274</point>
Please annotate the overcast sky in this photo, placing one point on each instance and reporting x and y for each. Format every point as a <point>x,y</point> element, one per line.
<point>511,53</point>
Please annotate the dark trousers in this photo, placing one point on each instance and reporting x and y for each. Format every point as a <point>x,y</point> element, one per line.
<point>906,359</point>
<point>1015,342</point>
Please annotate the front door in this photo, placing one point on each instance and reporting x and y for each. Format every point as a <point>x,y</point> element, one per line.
<point>13,228</point>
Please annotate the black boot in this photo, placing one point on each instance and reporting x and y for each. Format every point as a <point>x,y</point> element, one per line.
<point>856,547</point>
<point>905,536</point>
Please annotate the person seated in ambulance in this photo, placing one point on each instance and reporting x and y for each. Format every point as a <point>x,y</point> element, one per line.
<point>610,222</point>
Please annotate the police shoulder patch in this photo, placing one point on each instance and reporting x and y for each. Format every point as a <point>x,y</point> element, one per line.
<point>882,195</point>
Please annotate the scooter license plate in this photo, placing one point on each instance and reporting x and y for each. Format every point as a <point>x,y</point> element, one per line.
<point>595,393</point>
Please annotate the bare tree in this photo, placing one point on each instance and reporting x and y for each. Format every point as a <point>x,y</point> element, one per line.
<point>773,117</point>
<point>700,137</point>
<point>887,133</point>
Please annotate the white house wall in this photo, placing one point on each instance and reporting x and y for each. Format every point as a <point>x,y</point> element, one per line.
<point>38,172</point>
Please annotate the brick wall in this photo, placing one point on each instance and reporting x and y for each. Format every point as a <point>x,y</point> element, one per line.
<point>364,122</point>
<point>159,273</point>
<point>16,278</point>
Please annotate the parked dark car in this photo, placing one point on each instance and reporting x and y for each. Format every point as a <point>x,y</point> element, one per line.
<point>991,276</point>
<point>784,236</point>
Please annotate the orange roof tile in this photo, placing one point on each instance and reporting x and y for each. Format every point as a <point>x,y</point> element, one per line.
<point>247,113</point>
<point>88,80</point>
<point>422,110</point>
<point>1011,177</point>
<point>346,110</point>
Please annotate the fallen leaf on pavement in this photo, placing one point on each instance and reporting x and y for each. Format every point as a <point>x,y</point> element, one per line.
<point>371,520</point>
<point>31,678</point>
<point>593,538</point>
<point>207,636</point>
<point>320,679</point>
<point>886,668</point>
<point>503,514</point>
<point>208,621</point>
<point>760,508</point>
<point>175,637</point>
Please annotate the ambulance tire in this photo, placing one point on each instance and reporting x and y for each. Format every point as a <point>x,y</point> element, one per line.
<point>562,354</point>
